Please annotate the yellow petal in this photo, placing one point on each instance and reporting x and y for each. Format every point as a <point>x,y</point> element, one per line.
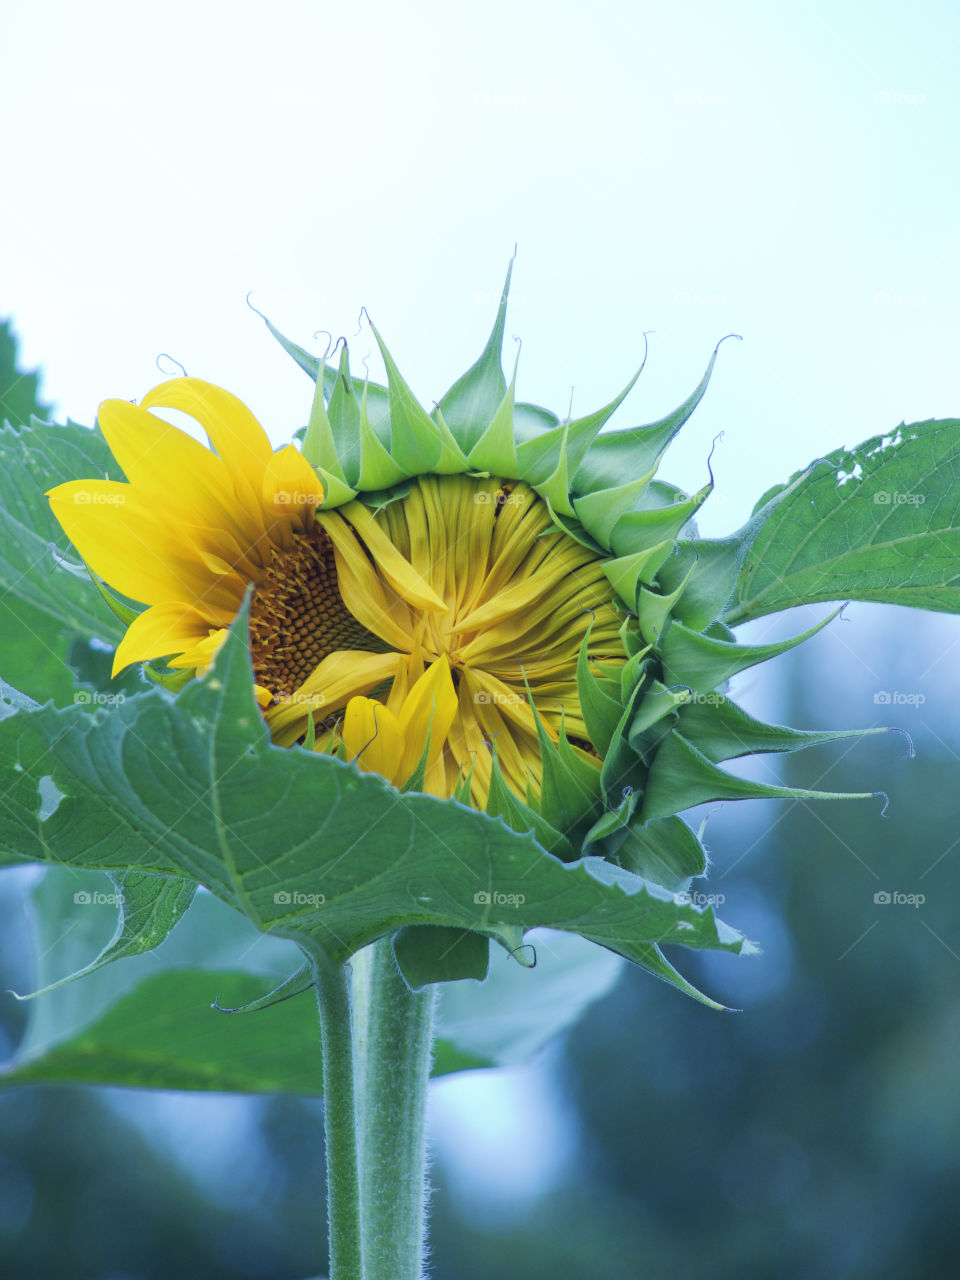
<point>338,678</point>
<point>202,653</point>
<point>290,487</point>
<point>371,737</point>
<point>232,429</point>
<point>139,554</point>
<point>398,571</point>
<point>163,630</point>
<point>166,464</point>
<point>428,711</point>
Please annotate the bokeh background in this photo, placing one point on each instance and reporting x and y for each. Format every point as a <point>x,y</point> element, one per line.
<point>686,171</point>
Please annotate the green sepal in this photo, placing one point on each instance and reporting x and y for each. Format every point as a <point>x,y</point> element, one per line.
<point>601,712</point>
<point>496,449</point>
<point>114,603</point>
<point>524,818</point>
<point>377,499</point>
<point>621,771</point>
<point>626,573</point>
<point>638,529</point>
<point>600,510</point>
<point>438,953</point>
<point>702,663</point>
<point>378,470</point>
<point>319,447</point>
<point>658,702</point>
<point>655,962</point>
<point>311,365</point>
<point>682,776</point>
<point>654,610</point>
<point>723,731</point>
<point>609,830</point>
<point>665,851</point>
<point>636,450</point>
<point>344,417</point>
<point>171,678</point>
<point>336,493</point>
<point>477,395</point>
<point>570,787</point>
<point>418,444</point>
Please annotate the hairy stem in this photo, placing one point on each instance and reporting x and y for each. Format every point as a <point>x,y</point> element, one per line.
<point>393,1071</point>
<point>340,1120</point>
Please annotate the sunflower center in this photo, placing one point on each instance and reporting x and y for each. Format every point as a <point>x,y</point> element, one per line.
<point>297,615</point>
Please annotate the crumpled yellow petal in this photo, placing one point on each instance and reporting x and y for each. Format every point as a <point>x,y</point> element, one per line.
<point>397,570</point>
<point>428,711</point>
<point>372,737</point>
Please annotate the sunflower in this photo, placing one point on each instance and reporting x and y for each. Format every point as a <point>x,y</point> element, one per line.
<point>429,636</point>
<point>482,601</point>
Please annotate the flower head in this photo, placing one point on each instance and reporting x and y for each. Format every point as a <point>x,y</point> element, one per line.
<point>482,602</point>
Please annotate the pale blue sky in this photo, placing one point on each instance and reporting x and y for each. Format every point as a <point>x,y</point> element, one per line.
<point>786,173</point>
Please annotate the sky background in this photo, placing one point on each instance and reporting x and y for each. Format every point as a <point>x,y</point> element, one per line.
<point>785,173</point>
<point>788,174</point>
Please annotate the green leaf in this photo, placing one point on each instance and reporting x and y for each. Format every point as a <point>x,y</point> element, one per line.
<point>37,570</point>
<point>427,954</point>
<point>149,1021</point>
<point>305,845</point>
<point>879,522</point>
<point>148,908</point>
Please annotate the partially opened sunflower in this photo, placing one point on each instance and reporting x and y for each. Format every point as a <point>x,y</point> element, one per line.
<point>482,602</point>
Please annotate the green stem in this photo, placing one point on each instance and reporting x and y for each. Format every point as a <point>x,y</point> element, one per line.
<point>393,1071</point>
<point>340,1119</point>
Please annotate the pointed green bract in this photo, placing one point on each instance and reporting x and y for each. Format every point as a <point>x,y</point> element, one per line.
<point>474,398</point>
